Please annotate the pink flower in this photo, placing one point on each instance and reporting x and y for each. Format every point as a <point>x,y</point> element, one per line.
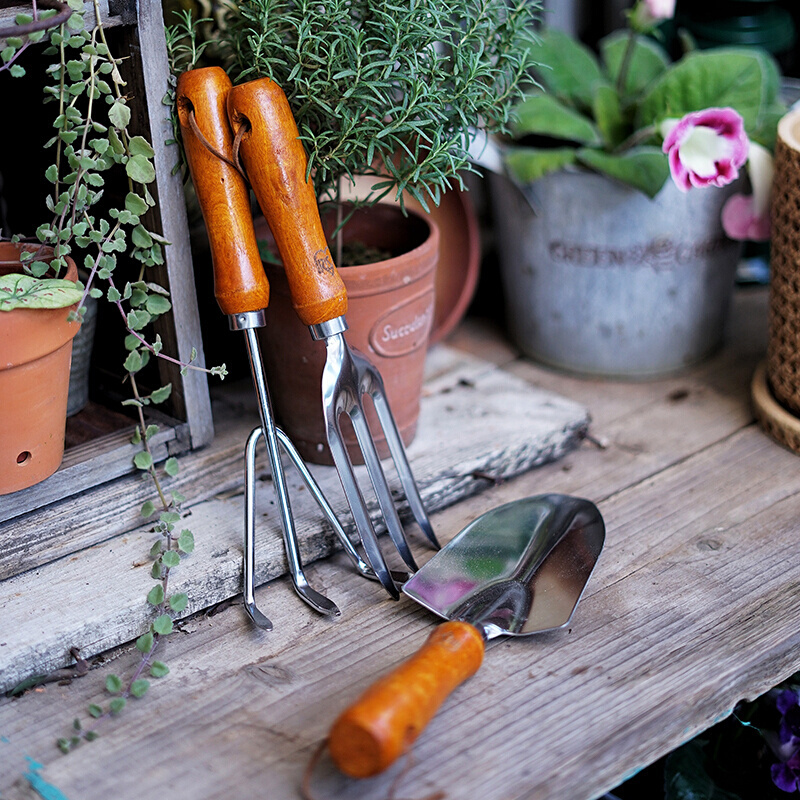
<point>647,14</point>
<point>705,148</point>
<point>746,217</point>
<point>660,9</point>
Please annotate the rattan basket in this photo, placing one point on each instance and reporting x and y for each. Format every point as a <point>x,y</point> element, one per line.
<point>776,385</point>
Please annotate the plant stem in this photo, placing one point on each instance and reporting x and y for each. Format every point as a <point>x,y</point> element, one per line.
<point>626,61</point>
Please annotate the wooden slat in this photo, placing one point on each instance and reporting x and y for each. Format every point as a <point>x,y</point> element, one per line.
<point>692,608</point>
<point>180,329</point>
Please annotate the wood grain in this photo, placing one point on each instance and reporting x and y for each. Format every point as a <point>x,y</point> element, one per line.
<point>693,607</point>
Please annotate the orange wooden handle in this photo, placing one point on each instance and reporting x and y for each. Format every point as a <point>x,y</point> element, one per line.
<point>386,720</point>
<point>276,166</point>
<point>239,281</point>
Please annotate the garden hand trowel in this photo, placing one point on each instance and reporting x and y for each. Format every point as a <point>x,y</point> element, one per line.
<point>516,570</point>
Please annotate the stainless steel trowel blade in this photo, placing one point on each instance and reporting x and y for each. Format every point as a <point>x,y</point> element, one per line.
<point>518,569</point>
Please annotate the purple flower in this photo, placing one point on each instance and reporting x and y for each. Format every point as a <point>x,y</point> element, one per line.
<point>786,776</point>
<point>705,148</point>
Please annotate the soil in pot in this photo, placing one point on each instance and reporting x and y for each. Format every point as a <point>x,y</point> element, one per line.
<point>390,314</point>
<point>35,355</point>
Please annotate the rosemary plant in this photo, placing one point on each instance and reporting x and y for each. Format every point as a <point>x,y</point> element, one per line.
<point>395,90</point>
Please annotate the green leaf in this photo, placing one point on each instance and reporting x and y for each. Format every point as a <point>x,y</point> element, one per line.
<point>139,146</point>
<point>570,70</point>
<point>144,644</point>
<point>137,319</point>
<point>140,237</point>
<point>117,704</point>
<point>163,624</point>
<point>178,602</point>
<point>186,541</point>
<point>25,291</point>
<point>119,115</point>
<point>608,115</point>
<point>135,204</point>
<point>542,114</point>
<point>139,687</point>
<point>160,395</point>
<point>157,549</point>
<point>722,77</point>
<point>158,669</point>
<point>91,736</point>
<point>171,559</point>
<point>148,508</point>
<point>171,467</point>
<point>143,460</point>
<point>644,168</point>
<point>527,164</point>
<point>140,169</point>
<point>113,684</point>
<point>155,570</point>
<point>95,711</point>
<point>150,431</point>
<point>133,363</point>
<point>156,595</point>
<point>156,304</point>
<point>647,62</point>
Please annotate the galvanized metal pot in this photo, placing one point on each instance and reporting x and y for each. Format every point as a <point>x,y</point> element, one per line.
<point>602,280</point>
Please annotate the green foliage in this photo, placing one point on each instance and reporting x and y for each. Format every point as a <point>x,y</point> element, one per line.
<point>386,89</point>
<point>608,109</point>
<point>25,291</point>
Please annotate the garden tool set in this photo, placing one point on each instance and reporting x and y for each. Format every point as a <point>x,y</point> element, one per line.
<point>266,138</point>
<point>516,570</point>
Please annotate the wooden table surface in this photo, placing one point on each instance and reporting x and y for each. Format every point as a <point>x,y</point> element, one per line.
<point>693,607</point>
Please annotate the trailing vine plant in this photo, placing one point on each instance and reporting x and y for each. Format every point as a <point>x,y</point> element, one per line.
<point>92,141</point>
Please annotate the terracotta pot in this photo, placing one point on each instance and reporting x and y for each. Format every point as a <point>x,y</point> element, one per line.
<point>35,355</point>
<point>390,314</point>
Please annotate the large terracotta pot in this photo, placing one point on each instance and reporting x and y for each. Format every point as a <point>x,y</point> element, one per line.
<point>390,314</point>
<point>35,355</point>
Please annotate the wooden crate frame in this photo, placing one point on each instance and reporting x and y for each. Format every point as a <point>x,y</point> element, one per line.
<point>190,424</point>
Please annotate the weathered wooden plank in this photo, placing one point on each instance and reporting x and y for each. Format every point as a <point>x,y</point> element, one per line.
<point>475,421</point>
<point>692,608</point>
<point>84,467</point>
<point>180,330</point>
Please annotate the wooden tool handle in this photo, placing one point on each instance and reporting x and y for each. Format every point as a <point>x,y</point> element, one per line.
<point>240,284</point>
<point>386,720</point>
<point>276,165</point>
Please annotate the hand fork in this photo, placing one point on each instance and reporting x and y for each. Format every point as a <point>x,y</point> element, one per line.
<point>276,165</point>
<point>242,293</point>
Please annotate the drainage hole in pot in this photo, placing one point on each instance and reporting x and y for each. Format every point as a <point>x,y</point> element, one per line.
<point>24,457</point>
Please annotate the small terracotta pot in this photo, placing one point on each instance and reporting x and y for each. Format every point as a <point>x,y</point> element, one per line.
<point>35,355</point>
<point>390,314</point>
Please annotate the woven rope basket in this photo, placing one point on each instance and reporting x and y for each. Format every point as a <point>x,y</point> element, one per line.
<point>783,349</point>
<point>776,388</point>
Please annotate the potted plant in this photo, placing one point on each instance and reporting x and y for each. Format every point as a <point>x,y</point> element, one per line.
<point>93,217</point>
<point>617,264</point>
<point>394,93</point>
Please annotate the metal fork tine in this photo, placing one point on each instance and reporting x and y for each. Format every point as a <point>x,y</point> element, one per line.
<point>325,507</point>
<point>380,485</point>
<point>402,466</point>
<point>357,505</point>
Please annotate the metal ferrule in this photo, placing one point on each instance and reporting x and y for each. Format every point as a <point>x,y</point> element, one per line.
<point>247,320</point>
<point>330,328</point>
